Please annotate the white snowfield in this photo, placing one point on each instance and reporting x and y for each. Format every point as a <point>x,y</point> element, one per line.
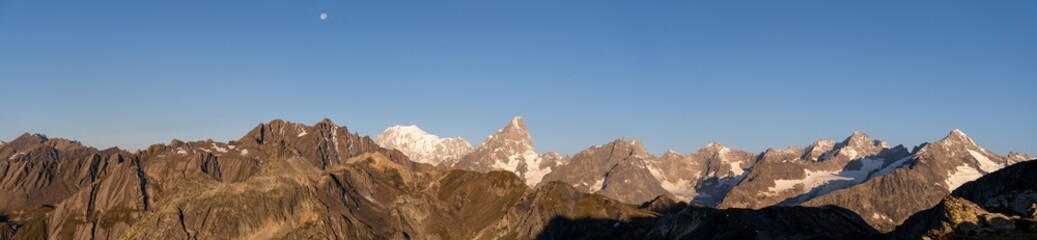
<point>961,175</point>
<point>985,163</point>
<point>812,180</point>
<point>828,180</point>
<point>421,146</point>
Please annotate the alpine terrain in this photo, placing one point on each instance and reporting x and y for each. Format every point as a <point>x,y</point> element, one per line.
<point>285,180</point>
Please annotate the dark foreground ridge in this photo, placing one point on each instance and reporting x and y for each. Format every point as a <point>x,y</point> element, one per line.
<point>285,180</point>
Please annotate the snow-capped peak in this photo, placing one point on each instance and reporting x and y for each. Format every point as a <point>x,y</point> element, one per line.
<point>958,132</point>
<point>423,147</point>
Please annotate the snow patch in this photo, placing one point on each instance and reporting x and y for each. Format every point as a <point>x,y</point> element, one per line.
<point>218,148</point>
<point>985,163</point>
<point>868,165</point>
<point>655,172</point>
<point>303,133</point>
<point>514,122</point>
<point>244,152</point>
<point>892,166</point>
<point>736,167</point>
<point>597,185</point>
<point>681,189</point>
<point>510,165</point>
<point>851,153</point>
<point>813,180</point>
<point>961,175</point>
<point>534,174</point>
<point>878,216</point>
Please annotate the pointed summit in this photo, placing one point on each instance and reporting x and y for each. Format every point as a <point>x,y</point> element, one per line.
<point>514,131</point>
<point>510,149</point>
<point>631,144</point>
<point>957,136</point>
<point>858,138</point>
<point>958,132</point>
<point>325,121</point>
<point>819,150</point>
<point>34,137</point>
<point>27,140</point>
<point>516,124</point>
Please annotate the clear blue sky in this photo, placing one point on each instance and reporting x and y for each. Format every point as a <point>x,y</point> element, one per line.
<point>674,74</point>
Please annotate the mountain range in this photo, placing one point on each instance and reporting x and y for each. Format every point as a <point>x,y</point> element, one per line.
<point>285,180</point>
<point>882,183</point>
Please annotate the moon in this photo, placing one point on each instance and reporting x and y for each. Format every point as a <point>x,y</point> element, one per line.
<point>323,16</point>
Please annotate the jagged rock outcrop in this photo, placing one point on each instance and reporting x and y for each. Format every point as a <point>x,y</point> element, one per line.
<point>1017,157</point>
<point>792,177</point>
<point>616,170</point>
<point>916,183</point>
<point>423,147</point>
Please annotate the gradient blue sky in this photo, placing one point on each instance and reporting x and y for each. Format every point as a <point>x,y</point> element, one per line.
<point>674,74</point>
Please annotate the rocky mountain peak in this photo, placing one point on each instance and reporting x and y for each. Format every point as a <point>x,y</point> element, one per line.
<point>27,140</point>
<point>30,138</point>
<point>517,122</point>
<point>858,138</point>
<point>819,150</point>
<point>957,137</point>
<point>278,129</point>
<point>633,146</point>
<point>510,149</point>
<point>325,121</point>
<point>515,131</point>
